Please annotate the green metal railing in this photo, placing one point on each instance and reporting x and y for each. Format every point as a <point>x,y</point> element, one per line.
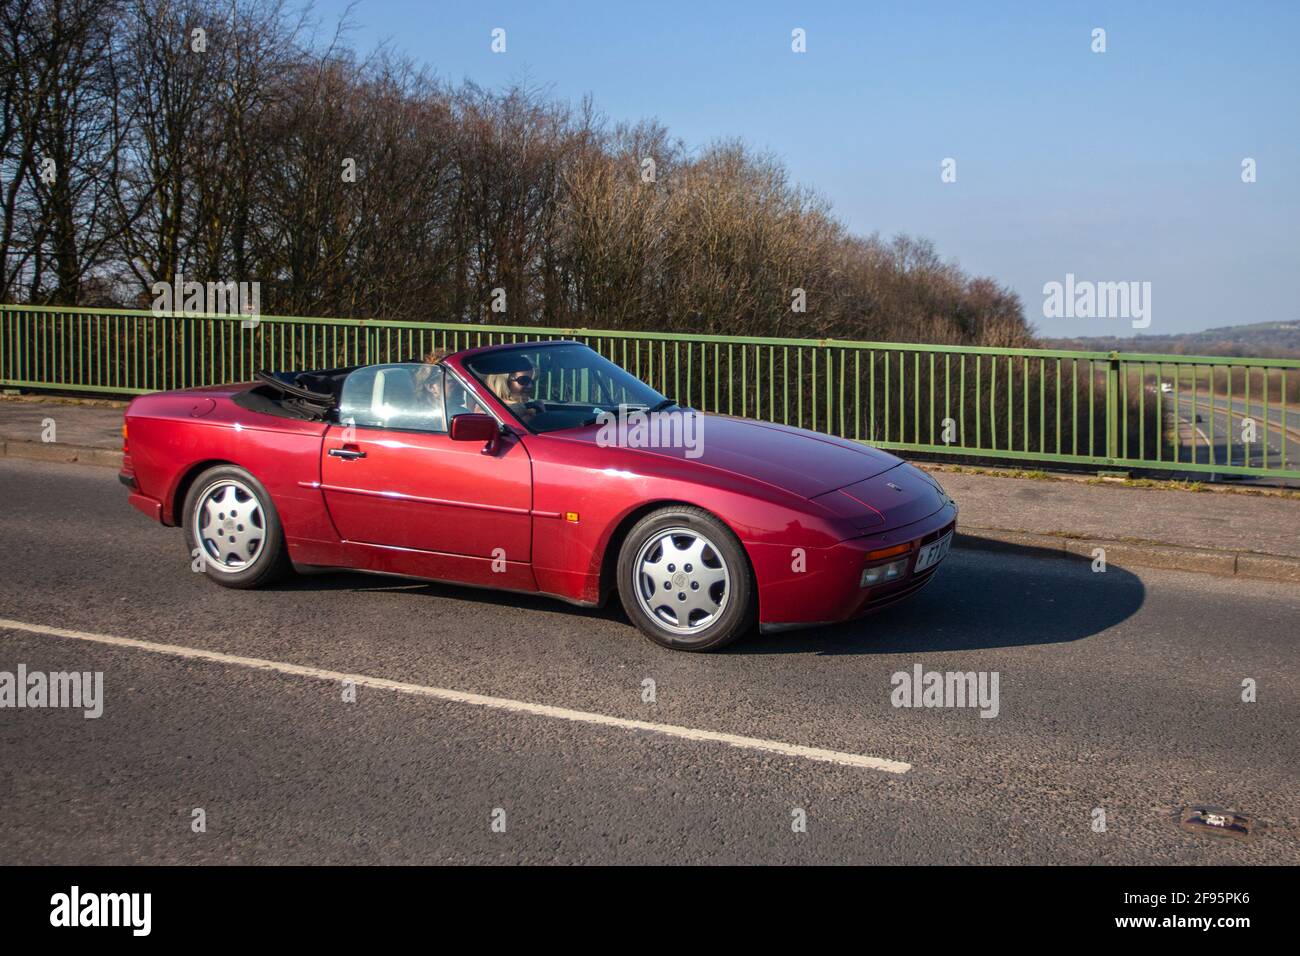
<point>1113,409</point>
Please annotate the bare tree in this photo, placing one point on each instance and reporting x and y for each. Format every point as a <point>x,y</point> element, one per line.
<point>219,139</point>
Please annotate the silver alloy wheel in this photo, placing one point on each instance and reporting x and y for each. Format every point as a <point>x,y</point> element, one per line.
<point>682,580</point>
<point>229,525</point>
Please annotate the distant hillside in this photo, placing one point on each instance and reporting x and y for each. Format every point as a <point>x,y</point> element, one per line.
<point>1263,339</point>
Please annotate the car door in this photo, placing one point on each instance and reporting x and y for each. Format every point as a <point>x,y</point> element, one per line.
<point>393,478</point>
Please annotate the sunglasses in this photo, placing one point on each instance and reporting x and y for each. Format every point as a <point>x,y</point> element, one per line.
<point>524,380</point>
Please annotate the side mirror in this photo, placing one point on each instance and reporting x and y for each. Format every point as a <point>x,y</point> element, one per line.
<point>482,428</point>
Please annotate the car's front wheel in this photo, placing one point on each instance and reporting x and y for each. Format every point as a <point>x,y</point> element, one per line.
<point>232,530</point>
<point>685,581</point>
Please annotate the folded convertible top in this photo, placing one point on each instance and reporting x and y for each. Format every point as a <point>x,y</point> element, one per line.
<point>312,396</point>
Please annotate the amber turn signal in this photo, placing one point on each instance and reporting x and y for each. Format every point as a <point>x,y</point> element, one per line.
<point>888,552</point>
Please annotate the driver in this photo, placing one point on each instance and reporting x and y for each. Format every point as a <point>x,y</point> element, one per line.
<point>515,389</point>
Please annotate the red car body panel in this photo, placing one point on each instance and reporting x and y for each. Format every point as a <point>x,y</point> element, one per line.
<point>543,512</point>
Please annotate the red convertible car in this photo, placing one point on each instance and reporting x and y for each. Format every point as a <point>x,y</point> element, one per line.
<point>541,468</point>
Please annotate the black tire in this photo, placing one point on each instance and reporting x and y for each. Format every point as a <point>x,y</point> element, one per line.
<point>261,539</point>
<point>673,617</point>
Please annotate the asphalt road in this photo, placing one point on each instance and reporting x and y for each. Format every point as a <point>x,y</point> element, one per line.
<point>1222,429</point>
<point>1118,691</point>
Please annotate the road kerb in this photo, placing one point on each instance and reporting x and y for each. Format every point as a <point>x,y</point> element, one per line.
<point>61,452</point>
<point>1271,567</point>
<point>1268,567</point>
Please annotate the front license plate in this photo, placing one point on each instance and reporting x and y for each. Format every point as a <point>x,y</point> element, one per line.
<point>933,553</point>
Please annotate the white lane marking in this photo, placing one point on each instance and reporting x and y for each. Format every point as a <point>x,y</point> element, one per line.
<point>478,700</point>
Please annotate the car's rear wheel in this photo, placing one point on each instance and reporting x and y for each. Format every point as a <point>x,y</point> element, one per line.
<point>685,581</point>
<point>232,530</point>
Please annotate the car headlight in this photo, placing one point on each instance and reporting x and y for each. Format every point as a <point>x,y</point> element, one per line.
<point>883,573</point>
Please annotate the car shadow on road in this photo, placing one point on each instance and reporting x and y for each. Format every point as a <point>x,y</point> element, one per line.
<point>1014,597</point>
<point>358,581</point>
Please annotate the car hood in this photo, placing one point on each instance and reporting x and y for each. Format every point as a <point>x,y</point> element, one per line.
<point>889,500</point>
<point>801,462</point>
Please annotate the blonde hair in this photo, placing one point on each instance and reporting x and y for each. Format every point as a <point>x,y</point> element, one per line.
<point>499,383</point>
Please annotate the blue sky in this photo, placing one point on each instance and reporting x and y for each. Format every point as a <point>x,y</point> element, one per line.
<point>1115,166</point>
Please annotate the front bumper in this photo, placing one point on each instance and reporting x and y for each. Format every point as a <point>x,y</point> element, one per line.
<point>828,589</point>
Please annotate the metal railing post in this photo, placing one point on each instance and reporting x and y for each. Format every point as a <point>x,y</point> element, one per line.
<point>1113,408</point>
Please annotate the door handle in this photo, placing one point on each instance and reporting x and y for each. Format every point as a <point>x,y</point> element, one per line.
<point>347,454</point>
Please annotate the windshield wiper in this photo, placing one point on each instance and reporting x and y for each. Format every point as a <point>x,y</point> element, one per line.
<point>648,410</point>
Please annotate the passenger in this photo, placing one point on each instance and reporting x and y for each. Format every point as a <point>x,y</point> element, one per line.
<point>459,400</point>
<point>429,390</point>
<point>439,390</point>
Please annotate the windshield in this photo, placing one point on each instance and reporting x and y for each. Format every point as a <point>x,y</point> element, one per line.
<point>548,387</point>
